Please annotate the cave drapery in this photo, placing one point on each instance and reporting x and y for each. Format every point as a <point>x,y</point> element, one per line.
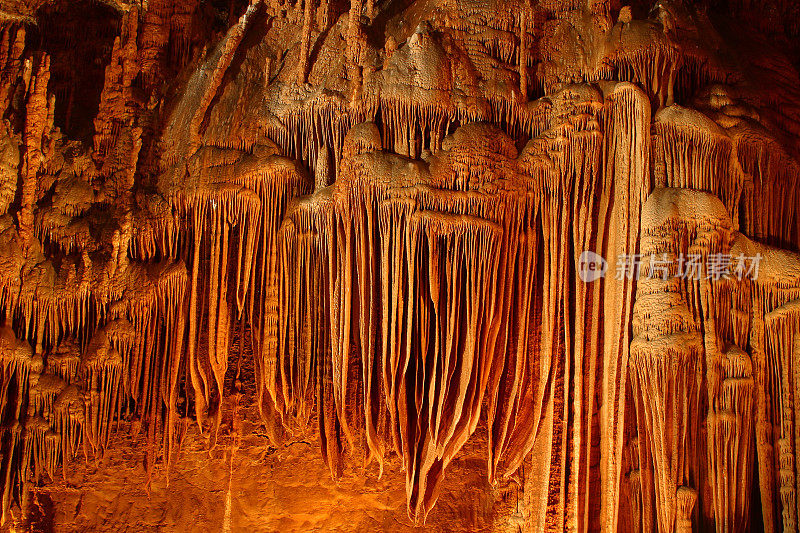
<point>379,210</point>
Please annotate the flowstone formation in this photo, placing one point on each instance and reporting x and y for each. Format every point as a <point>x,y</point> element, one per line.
<point>534,261</point>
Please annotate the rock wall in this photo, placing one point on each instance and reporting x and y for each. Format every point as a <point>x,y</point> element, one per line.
<point>499,266</point>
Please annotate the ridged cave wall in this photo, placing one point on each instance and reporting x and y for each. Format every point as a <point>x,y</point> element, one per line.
<point>321,265</point>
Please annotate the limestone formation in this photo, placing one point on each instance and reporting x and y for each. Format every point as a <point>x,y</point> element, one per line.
<point>295,265</point>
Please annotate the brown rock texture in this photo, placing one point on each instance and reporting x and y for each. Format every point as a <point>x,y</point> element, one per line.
<point>400,265</point>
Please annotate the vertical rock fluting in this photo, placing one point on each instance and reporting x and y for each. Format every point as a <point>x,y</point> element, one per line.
<point>626,177</point>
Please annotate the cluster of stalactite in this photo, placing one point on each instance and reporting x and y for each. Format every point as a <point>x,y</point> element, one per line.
<point>723,150</point>
<point>711,373</point>
<point>666,358</point>
<point>574,162</point>
<point>85,343</point>
<point>423,340</point>
<point>427,279</point>
<point>230,218</point>
<point>95,284</point>
<point>421,91</point>
<point>414,306</point>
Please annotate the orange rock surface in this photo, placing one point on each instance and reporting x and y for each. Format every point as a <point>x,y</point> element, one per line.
<point>400,265</point>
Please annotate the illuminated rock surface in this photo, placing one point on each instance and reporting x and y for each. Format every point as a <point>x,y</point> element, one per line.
<point>319,266</point>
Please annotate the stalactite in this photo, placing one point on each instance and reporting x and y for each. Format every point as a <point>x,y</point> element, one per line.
<point>435,75</point>
<point>356,41</point>
<point>18,364</point>
<point>37,76</point>
<point>770,196</point>
<point>667,352</point>
<point>523,54</point>
<point>323,126</point>
<point>426,453</point>
<point>780,325</point>
<point>12,47</point>
<point>731,456</point>
<point>102,366</point>
<point>300,380</point>
<point>563,162</point>
<point>627,139</point>
<point>459,387</point>
<point>686,499</point>
<point>115,100</point>
<point>514,417</point>
<point>255,208</point>
<point>305,38</point>
<point>223,57</point>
